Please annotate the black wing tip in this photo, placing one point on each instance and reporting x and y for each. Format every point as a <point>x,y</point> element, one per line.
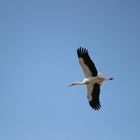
<point>82,51</point>
<point>95,102</point>
<point>95,105</point>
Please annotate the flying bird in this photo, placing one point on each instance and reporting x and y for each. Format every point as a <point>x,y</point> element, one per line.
<point>93,80</point>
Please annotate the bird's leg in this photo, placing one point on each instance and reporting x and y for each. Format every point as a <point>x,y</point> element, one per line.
<point>111,78</point>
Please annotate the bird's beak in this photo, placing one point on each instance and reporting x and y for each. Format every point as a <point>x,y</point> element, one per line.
<point>71,85</point>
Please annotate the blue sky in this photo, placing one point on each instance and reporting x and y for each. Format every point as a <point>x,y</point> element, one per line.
<point>38,42</point>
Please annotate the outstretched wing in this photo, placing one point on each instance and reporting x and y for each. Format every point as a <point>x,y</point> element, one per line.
<point>93,96</point>
<point>86,63</point>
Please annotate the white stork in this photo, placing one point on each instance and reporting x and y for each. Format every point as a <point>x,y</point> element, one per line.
<point>92,79</point>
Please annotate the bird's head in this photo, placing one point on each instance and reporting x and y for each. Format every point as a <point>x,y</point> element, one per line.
<point>75,83</point>
<point>72,84</point>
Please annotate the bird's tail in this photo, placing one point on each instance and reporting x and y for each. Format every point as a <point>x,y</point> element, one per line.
<point>100,75</point>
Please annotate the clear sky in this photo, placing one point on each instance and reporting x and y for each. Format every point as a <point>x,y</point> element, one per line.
<point>38,43</point>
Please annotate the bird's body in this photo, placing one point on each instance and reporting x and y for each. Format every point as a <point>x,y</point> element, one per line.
<point>92,79</point>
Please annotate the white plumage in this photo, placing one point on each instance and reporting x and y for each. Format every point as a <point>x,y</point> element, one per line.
<point>92,79</point>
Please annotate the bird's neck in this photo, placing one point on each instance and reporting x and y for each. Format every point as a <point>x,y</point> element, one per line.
<point>78,83</point>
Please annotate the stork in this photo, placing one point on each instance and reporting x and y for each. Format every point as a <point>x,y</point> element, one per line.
<point>93,80</point>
